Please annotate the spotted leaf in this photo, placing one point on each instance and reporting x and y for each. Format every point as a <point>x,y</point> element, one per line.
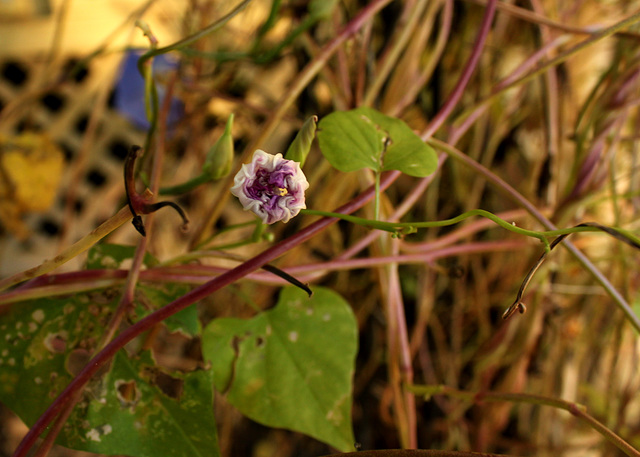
<point>131,407</point>
<point>292,366</point>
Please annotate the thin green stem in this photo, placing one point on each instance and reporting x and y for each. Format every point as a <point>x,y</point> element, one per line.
<point>86,280</point>
<point>224,247</point>
<point>403,228</point>
<point>258,234</point>
<point>274,52</point>
<point>55,290</point>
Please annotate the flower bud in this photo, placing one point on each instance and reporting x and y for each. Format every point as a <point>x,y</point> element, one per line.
<point>220,157</point>
<point>301,145</point>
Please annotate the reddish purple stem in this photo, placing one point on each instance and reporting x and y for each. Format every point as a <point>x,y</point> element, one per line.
<point>455,96</point>
<point>188,299</point>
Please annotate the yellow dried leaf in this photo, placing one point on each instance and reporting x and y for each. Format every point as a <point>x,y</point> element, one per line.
<point>30,171</point>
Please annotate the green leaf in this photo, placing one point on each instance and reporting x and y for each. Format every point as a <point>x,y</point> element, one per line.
<point>349,141</point>
<point>291,366</point>
<point>133,408</point>
<point>152,297</point>
<point>366,138</point>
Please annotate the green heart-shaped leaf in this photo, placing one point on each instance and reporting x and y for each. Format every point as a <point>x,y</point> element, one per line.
<point>292,366</point>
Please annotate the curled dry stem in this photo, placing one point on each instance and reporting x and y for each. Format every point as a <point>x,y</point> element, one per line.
<point>616,233</point>
<point>139,204</point>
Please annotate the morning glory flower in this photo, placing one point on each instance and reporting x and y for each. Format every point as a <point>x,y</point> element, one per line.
<point>271,186</point>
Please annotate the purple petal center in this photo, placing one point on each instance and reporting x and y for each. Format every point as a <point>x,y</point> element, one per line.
<point>269,186</point>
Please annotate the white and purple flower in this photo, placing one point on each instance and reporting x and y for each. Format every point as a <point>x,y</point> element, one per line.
<point>271,186</point>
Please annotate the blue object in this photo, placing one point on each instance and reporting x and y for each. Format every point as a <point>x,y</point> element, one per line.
<point>129,92</point>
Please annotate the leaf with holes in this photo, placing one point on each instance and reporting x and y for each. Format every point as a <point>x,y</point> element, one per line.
<point>133,407</point>
<point>149,297</point>
<point>138,409</point>
<point>43,342</point>
<point>365,138</point>
<point>292,366</point>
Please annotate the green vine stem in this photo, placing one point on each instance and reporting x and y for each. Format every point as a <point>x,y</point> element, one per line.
<point>196,36</point>
<point>577,410</point>
<point>259,234</point>
<point>399,229</point>
<point>197,274</point>
<point>404,228</point>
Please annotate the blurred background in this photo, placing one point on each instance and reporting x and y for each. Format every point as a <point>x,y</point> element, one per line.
<point>72,103</point>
